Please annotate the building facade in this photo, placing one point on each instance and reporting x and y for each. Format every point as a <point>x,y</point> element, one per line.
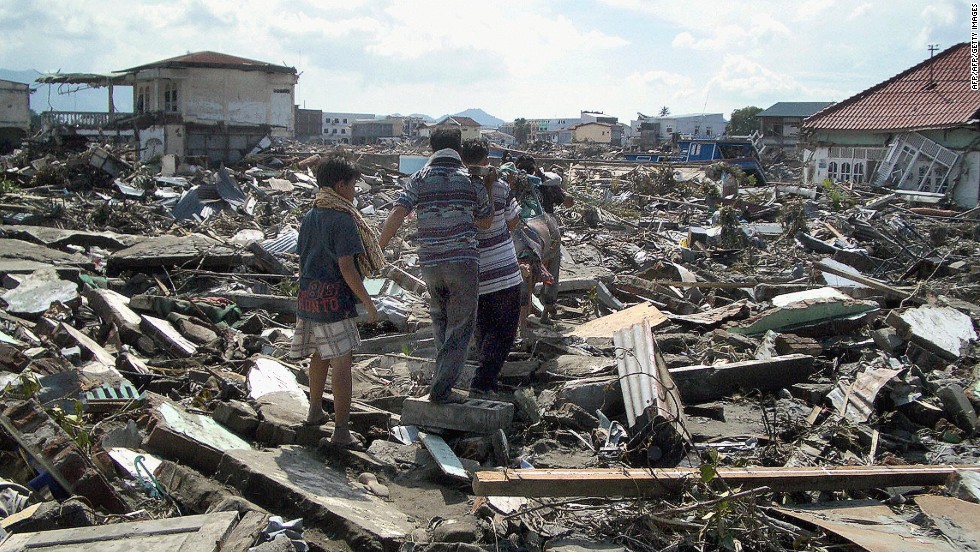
<point>780,124</point>
<point>15,114</point>
<point>336,126</point>
<point>916,131</point>
<point>211,106</point>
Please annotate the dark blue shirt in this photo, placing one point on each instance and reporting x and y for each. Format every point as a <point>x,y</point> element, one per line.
<point>325,236</point>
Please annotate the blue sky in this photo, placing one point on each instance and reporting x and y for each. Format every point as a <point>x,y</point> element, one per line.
<point>522,58</point>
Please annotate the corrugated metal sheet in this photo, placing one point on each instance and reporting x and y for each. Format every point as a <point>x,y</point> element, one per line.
<point>913,99</point>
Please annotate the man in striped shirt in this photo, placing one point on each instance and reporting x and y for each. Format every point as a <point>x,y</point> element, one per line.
<point>500,279</point>
<point>450,206</point>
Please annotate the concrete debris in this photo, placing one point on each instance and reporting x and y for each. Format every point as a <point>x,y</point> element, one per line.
<point>762,343</point>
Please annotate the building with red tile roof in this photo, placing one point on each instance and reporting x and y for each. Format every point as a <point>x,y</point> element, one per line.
<point>918,130</point>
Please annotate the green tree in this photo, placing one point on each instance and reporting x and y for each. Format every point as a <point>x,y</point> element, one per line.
<point>522,130</point>
<point>743,121</point>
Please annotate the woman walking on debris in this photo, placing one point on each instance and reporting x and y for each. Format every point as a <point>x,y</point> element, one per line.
<point>336,249</point>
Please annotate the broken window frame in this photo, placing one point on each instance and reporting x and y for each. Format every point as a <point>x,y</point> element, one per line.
<point>171,97</point>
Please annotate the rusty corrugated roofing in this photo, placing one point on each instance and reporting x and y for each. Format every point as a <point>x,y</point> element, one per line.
<point>215,60</point>
<point>913,99</point>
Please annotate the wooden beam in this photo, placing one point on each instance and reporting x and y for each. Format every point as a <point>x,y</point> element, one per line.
<point>672,481</point>
<point>871,283</point>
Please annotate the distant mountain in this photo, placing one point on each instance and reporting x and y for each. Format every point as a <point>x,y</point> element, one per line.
<point>485,119</point>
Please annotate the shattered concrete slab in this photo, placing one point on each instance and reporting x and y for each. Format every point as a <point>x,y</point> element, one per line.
<point>291,479</point>
<point>194,439</point>
<point>940,330</point>
<point>14,253</point>
<point>37,291</point>
<point>57,238</point>
<point>195,250</point>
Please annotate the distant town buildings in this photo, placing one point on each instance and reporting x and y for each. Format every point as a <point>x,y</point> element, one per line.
<point>15,114</point>
<point>780,124</point>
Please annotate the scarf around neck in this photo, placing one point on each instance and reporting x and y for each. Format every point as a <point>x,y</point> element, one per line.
<point>372,260</point>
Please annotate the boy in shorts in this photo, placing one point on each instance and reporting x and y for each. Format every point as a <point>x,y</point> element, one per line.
<point>336,249</point>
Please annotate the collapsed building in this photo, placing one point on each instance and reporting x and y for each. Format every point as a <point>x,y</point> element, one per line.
<point>918,131</point>
<point>732,366</point>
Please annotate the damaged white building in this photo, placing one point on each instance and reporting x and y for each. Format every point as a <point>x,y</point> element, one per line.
<point>917,131</point>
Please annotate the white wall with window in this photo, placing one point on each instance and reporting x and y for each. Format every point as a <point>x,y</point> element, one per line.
<point>843,164</point>
<point>337,126</point>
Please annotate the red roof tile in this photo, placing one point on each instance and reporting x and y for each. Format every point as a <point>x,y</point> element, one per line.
<point>911,100</point>
<point>214,60</point>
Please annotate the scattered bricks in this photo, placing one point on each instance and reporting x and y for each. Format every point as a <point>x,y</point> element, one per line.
<point>887,339</point>
<point>474,416</point>
<point>958,406</point>
<point>789,344</point>
<point>50,446</point>
<point>238,417</point>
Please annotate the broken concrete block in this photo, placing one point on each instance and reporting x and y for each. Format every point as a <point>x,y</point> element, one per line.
<point>194,250</point>
<point>194,439</point>
<point>708,383</point>
<point>94,350</point>
<point>267,375</point>
<point>38,291</point>
<point>965,485</point>
<point>281,413</point>
<point>292,480</point>
<point>114,307</point>
<point>197,333</point>
<point>579,366</point>
<point>958,406</point>
<point>198,493</point>
<point>591,394</point>
<point>474,416</point>
<point>205,532</point>
<point>50,516</point>
<point>887,339</point>
<point>943,331</point>
<point>167,337</point>
<point>238,417</point>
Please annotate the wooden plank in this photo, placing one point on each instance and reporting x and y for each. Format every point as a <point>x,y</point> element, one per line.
<point>444,456</point>
<point>605,326</point>
<point>870,282</point>
<point>672,481</point>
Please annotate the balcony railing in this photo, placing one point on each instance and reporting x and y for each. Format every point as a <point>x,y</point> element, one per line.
<point>85,120</point>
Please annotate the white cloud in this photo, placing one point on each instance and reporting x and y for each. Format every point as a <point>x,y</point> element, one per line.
<point>859,11</point>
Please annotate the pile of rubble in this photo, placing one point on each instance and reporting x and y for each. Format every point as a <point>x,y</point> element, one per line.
<point>758,368</point>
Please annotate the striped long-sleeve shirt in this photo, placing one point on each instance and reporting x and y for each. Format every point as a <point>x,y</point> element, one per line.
<point>447,202</point>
